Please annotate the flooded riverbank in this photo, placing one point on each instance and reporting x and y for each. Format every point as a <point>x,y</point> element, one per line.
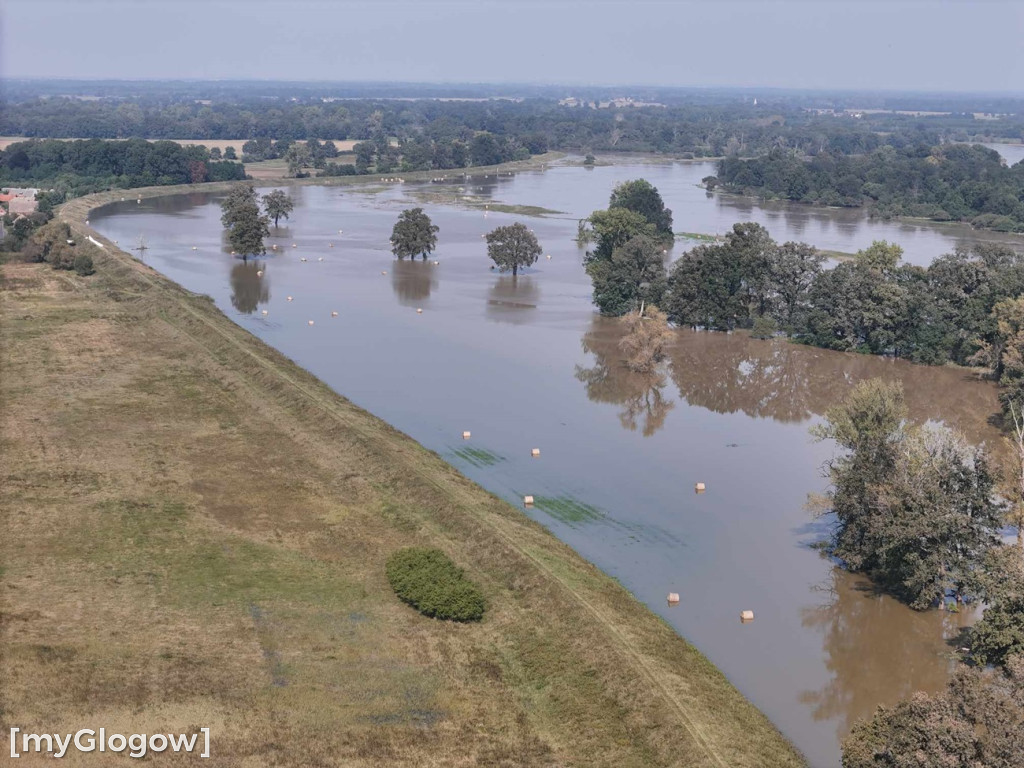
<point>524,363</point>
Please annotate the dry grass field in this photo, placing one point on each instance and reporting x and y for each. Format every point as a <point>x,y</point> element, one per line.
<point>194,533</point>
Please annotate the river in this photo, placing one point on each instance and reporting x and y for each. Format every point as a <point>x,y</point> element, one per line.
<point>525,363</point>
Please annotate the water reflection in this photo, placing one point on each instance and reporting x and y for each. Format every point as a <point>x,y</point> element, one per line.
<point>513,298</point>
<point>788,382</point>
<point>869,664</point>
<point>412,281</point>
<point>250,286</point>
<point>642,395</point>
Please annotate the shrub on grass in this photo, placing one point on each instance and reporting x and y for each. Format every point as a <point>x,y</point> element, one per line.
<point>83,264</point>
<point>431,583</point>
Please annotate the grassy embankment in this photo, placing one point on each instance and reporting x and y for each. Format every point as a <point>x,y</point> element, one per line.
<point>195,532</point>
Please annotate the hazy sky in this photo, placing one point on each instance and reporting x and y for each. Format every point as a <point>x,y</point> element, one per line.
<point>966,45</point>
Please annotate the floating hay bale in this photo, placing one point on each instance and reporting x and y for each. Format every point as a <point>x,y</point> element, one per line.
<point>528,501</point>
<point>334,314</point>
<point>699,488</point>
<point>746,616</point>
<point>419,311</point>
<point>289,298</point>
<point>310,322</point>
<point>535,452</point>
<point>466,435</point>
<point>294,245</point>
<point>194,248</point>
<point>673,598</point>
<point>383,272</point>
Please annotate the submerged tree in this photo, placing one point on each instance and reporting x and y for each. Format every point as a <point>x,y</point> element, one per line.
<point>246,226</point>
<point>977,722</point>
<point>278,205</point>
<point>915,507</point>
<point>633,275</point>
<point>414,234</point>
<point>513,247</point>
<point>647,332</point>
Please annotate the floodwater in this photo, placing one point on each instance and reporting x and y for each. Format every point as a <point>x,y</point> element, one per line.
<point>525,363</point>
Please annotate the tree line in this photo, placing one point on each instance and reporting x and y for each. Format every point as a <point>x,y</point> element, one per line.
<point>964,308</point>
<point>696,126</point>
<point>949,182</point>
<point>90,165</point>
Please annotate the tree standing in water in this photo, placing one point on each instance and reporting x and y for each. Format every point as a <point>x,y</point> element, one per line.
<point>414,234</point>
<point>513,247</point>
<point>278,205</point>
<point>246,226</point>
<point>647,332</point>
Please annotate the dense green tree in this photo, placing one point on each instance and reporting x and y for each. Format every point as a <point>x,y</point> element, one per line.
<point>725,286</point>
<point>278,204</point>
<point>613,228</point>
<point>413,234</point>
<point>859,305</point>
<point>868,428</point>
<point>999,634</point>
<point>513,247</point>
<point>792,273</point>
<point>640,196</point>
<point>298,157</point>
<point>486,149</point>
<point>915,508</point>
<point>246,225</point>
<point>633,275</point>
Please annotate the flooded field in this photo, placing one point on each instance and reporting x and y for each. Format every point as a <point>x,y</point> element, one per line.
<point>524,363</point>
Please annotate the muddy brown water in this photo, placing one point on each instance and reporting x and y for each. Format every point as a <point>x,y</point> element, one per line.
<point>525,363</point>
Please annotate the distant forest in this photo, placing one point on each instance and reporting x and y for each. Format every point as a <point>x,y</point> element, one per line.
<point>944,183</point>
<point>705,125</point>
<point>895,153</point>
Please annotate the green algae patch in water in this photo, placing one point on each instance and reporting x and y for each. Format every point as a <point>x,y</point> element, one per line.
<point>478,457</point>
<point>568,510</point>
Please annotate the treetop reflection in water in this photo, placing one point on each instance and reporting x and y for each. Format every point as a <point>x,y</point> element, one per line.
<point>512,297</point>
<point>413,281</point>
<point>855,622</point>
<point>642,395</point>
<point>250,285</point>
<point>776,379</point>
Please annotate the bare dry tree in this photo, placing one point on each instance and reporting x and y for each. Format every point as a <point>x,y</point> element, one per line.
<point>647,332</point>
